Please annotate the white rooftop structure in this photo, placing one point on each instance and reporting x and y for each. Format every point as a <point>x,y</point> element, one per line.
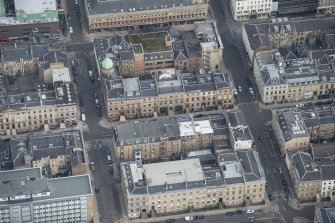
<point>37,6</point>
<point>188,128</point>
<point>173,172</point>
<point>61,74</point>
<point>233,170</point>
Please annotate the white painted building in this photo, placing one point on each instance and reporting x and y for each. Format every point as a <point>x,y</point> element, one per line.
<point>249,9</point>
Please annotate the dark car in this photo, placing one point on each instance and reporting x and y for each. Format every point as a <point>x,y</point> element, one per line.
<point>99,113</point>
<point>239,212</point>
<point>327,102</point>
<point>92,79</point>
<point>171,221</point>
<point>98,107</point>
<point>270,197</point>
<point>261,138</point>
<point>229,213</point>
<point>96,190</point>
<point>111,170</point>
<point>284,182</point>
<point>95,95</point>
<point>108,152</point>
<point>199,217</point>
<point>248,82</point>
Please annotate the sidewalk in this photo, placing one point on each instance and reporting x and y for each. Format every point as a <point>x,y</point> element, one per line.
<point>290,104</point>
<point>265,208</point>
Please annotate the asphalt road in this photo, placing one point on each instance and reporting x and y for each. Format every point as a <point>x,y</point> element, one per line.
<point>243,218</point>
<point>107,187</point>
<point>76,21</point>
<point>256,118</point>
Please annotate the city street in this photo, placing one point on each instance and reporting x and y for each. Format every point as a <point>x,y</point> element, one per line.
<point>244,218</point>
<point>107,186</point>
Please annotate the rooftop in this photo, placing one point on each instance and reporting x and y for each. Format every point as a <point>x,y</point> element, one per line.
<point>325,214</point>
<point>305,168</point>
<point>173,172</point>
<point>234,168</point>
<point>39,6</point>
<point>36,147</point>
<point>258,33</point>
<point>142,132</point>
<point>30,188</point>
<point>44,95</point>
<point>188,126</point>
<point>96,7</point>
<point>291,124</point>
<point>151,42</point>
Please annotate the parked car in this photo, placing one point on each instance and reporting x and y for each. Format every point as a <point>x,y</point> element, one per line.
<point>95,95</point>
<point>230,213</point>
<point>240,88</point>
<point>239,212</point>
<point>90,73</point>
<point>99,113</point>
<point>171,220</point>
<point>248,81</point>
<point>280,170</point>
<point>299,105</point>
<point>92,79</point>
<point>199,217</point>
<point>188,218</point>
<point>261,137</point>
<point>270,197</point>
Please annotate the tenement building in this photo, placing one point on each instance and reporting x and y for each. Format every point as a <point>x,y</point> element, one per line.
<point>44,107</point>
<point>283,76</point>
<point>21,19</point>
<point>249,9</point>
<point>28,57</point>
<point>312,178</point>
<point>162,139</point>
<point>26,196</point>
<point>121,14</point>
<point>167,94</point>
<point>137,54</point>
<point>294,128</point>
<point>290,130</point>
<point>285,7</point>
<point>239,131</point>
<point>58,154</point>
<point>183,185</point>
<point>282,32</point>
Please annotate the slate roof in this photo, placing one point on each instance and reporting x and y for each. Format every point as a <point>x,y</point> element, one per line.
<point>325,214</point>
<point>304,166</point>
<point>146,131</point>
<point>291,124</point>
<point>96,7</point>
<point>45,145</point>
<point>257,33</point>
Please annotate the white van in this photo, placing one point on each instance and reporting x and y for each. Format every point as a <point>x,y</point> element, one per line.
<point>83,117</point>
<point>109,158</point>
<point>188,218</point>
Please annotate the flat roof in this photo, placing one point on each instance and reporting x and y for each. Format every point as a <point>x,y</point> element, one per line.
<point>173,172</point>
<point>151,42</point>
<point>39,6</point>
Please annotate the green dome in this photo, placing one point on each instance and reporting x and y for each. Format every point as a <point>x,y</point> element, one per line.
<point>107,63</point>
